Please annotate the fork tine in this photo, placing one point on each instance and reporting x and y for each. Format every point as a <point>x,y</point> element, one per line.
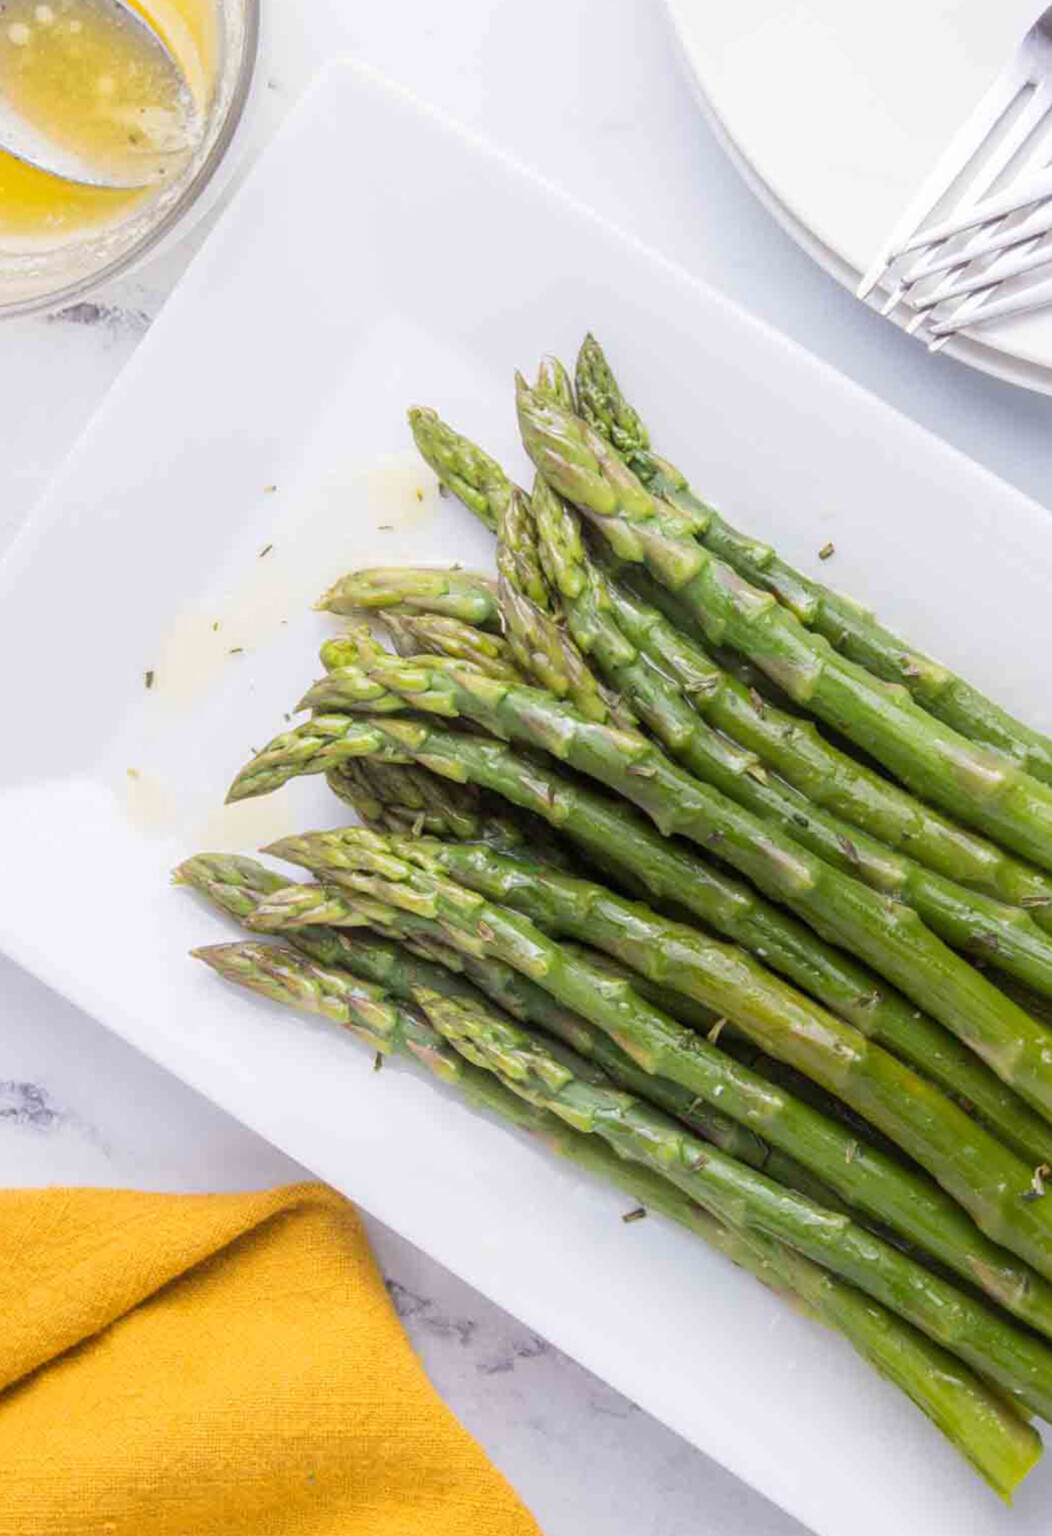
<point>1032,189</point>
<point>986,243</point>
<point>966,311</point>
<point>1034,297</point>
<point>1014,263</point>
<point>991,274</point>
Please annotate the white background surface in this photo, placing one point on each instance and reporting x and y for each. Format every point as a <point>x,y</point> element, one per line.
<point>590,94</point>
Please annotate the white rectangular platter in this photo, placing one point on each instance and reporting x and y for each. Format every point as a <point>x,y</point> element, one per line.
<point>254,449</point>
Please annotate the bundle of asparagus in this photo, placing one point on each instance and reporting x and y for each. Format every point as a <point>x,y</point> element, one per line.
<point>657,867</point>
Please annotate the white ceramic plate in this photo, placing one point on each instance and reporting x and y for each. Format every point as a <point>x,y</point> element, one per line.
<point>834,114</point>
<point>380,256</point>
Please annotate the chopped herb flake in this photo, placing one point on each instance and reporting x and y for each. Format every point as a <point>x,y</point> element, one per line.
<point>1037,1183</point>
<point>827,551</point>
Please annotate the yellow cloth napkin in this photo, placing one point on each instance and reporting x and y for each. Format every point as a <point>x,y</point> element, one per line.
<point>217,1365</point>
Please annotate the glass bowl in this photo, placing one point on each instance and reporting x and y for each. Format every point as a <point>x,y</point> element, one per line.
<point>51,278</point>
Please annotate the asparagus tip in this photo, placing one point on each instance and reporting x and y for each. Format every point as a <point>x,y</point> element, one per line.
<point>241,789</point>
<point>209,953</point>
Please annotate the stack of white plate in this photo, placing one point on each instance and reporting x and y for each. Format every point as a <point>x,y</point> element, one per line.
<point>835,113</point>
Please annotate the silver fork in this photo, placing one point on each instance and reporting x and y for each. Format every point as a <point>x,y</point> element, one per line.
<point>974,242</point>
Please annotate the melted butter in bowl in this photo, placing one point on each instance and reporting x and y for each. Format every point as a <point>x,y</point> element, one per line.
<point>132,102</point>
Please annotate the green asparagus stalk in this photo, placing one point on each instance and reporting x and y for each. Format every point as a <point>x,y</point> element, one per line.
<point>827,775</point>
<point>455,594</point>
<point>977,1420</point>
<point>610,626</point>
<point>404,798</point>
<point>742,1197</point>
<point>237,886</point>
<point>240,887</point>
<point>214,877</point>
<point>541,647</point>
<point>846,625</point>
<point>294,910</point>
<point>672,873</point>
<point>984,1177</point>
<point>383,1022</point>
<point>436,634</point>
<point>462,467</point>
<point>887,934</point>
<point>974,782</point>
<point>518,558</point>
<point>296,982</point>
<point>875,1186</point>
<point>705,1021</point>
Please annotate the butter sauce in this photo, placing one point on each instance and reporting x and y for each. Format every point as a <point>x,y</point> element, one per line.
<point>82,72</point>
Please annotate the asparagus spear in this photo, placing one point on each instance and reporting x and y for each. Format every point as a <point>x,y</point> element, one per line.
<point>610,626</point>
<point>241,886</point>
<point>237,886</point>
<point>401,589</point>
<point>224,882</point>
<point>397,797</point>
<point>298,909</point>
<point>984,1177</point>
<point>825,774</point>
<point>383,1022</point>
<point>742,1197</point>
<point>976,783</point>
<point>404,797</point>
<point>889,935</point>
<point>437,634</point>
<point>463,468</point>
<point>975,1418</point>
<point>671,872</point>
<point>852,629</point>
<point>541,647</point>
<point>839,1166</point>
<point>318,987</point>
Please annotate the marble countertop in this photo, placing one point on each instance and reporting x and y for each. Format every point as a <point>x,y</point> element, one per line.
<point>591,93</point>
